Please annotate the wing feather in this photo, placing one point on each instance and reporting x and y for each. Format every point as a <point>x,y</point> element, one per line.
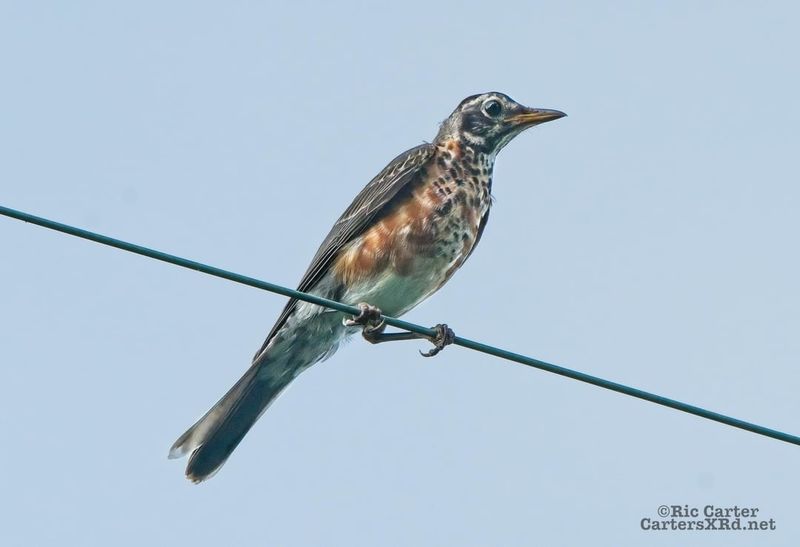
<point>367,207</point>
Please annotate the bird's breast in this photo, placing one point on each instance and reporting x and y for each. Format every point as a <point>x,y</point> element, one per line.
<point>414,249</point>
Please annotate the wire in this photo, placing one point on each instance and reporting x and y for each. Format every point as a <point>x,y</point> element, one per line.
<point>398,323</point>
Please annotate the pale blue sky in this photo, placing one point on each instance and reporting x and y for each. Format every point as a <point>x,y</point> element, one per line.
<point>649,238</point>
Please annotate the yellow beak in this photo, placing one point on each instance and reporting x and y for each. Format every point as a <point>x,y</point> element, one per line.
<point>535,116</point>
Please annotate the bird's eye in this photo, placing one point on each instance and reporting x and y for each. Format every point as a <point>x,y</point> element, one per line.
<point>492,108</point>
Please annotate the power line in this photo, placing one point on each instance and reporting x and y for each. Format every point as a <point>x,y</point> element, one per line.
<point>398,323</point>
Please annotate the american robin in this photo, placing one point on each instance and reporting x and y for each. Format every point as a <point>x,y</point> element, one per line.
<point>400,240</point>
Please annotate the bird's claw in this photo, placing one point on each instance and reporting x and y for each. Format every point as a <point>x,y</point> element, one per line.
<point>444,337</point>
<point>370,317</point>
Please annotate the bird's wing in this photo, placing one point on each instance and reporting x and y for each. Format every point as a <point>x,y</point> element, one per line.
<point>391,184</point>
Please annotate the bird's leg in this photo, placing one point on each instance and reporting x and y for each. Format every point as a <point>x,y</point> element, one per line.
<point>373,332</point>
<point>444,337</point>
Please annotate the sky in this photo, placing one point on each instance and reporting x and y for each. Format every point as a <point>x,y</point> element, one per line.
<point>649,238</point>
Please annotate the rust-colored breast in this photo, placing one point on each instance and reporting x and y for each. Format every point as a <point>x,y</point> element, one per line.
<point>394,241</point>
<point>440,219</point>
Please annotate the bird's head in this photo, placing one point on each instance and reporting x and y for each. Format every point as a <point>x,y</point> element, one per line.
<point>490,120</point>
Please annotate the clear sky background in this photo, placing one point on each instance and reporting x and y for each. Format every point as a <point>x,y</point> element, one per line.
<point>650,238</point>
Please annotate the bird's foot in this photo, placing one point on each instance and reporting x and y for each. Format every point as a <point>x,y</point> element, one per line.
<point>444,337</point>
<point>370,317</point>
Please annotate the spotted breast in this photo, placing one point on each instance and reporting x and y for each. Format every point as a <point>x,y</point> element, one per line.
<point>411,253</point>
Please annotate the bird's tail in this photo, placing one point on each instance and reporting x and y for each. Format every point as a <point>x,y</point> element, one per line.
<point>214,437</point>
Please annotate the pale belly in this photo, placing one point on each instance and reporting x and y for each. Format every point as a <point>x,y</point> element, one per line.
<point>396,294</point>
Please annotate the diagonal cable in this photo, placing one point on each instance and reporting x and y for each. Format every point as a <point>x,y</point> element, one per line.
<point>351,310</point>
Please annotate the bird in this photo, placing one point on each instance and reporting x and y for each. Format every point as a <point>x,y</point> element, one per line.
<point>400,240</point>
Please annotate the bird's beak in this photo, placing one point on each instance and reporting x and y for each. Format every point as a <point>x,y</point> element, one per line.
<point>535,116</point>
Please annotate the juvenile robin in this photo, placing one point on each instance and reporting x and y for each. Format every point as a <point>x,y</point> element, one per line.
<point>400,240</point>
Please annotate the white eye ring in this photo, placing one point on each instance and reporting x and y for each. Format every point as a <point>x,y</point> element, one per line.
<point>492,108</point>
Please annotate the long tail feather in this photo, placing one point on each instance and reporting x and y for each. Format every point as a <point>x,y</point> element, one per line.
<point>214,437</point>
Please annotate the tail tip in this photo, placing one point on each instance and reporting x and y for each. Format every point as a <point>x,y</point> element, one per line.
<point>194,479</point>
<point>196,475</point>
<point>175,453</point>
<point>192,473</point>
<point>184,445</point>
